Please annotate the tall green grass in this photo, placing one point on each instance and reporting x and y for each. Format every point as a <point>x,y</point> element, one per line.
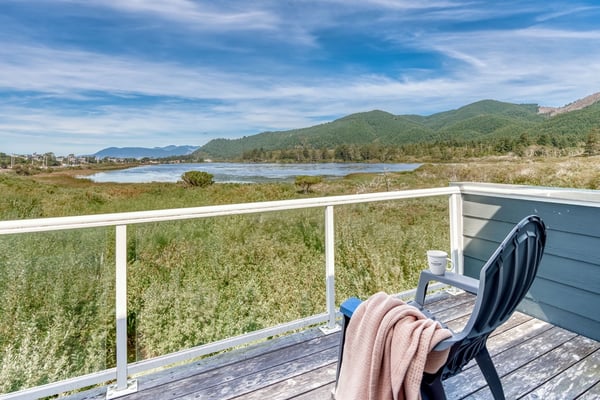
<point>57,297</point>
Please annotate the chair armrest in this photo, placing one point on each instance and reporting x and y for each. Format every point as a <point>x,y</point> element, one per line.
<point>465,283</point>
<point>349,306</point>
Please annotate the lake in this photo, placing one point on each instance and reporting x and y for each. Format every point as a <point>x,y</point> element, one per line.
<point>242,172</point>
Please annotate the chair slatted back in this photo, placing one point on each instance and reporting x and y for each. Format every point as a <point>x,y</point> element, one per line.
<point>507,276</point>
<point>503,282</point>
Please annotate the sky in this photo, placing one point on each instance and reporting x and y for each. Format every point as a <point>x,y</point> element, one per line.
<point>77,76</point>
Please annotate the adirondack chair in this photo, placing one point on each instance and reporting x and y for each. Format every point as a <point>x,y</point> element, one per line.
<point>503,282</point>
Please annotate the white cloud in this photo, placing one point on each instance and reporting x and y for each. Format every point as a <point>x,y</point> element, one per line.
<point>71,73</point>
<point>399,4</point>
<point>50,129</point>
<point>195,15</point>
<point>76,74</point>
<point>533,64</point>
<point>547,34</point>
<point>567,9</point>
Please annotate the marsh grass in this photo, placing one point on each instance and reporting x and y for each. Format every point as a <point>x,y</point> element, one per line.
<point>193,282</point>
<point>210,279</point>
<point>56,312</point>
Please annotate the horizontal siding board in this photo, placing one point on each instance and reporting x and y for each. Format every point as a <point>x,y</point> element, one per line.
<point>572,273</point>
<point>575,247</point>
<point>570,218</point>
<point>567,289</point>
<point>480,249</point>
<point>565,297</point>
<point>491,230</point>
<point>490,208</point>
<point>563,318</point>
<point>577,274</point>
<point>483,237</point>
<point>472,267</point>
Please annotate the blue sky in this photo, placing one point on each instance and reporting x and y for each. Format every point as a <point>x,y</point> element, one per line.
<point>77,76</point>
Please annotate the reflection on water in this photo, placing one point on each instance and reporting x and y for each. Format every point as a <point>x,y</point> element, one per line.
<point>242,172</point>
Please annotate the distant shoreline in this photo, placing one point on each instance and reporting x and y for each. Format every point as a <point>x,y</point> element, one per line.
<point>225,172</point>
<point>74,171</point>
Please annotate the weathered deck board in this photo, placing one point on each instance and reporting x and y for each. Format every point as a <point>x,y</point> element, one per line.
<point>310,382</point>
<point>251,373</point>
<point>322,393</point>
<point>573,382</point>
<point>471,380</point>
<point>233,357</point>
<point>593,393</point>
<point>534,359</point>
<point>548,366</point>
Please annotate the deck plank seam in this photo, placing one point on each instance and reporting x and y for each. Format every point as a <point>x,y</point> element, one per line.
<point>245,390</point>
<point>226,379</point>
<point>236,357</point>
<point>560,371</point>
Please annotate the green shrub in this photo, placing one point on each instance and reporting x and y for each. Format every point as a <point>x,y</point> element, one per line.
<point>306,181</point>
<point>197,178</point>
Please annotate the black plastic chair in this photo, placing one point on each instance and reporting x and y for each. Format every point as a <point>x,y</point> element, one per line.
<point>503,282</point>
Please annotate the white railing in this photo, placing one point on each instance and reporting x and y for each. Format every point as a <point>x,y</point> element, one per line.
<point>120,221</point>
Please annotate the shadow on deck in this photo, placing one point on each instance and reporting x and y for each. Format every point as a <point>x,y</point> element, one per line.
<point>535,360</point>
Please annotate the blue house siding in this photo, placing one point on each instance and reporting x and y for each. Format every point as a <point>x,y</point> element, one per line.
<point>566,291</point>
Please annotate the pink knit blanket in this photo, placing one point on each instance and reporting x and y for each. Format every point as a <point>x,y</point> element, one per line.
<point>388,347</point>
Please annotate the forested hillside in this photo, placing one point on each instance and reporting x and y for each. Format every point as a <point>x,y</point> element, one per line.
<point>362,128</point>
<point>478,129</point>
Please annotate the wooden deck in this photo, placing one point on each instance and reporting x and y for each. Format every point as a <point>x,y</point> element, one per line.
<point>534,359</point>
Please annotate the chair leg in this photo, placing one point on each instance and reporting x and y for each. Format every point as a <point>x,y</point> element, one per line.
<point>432,388</point>
<point>489,372</point>
<point>345,322</point>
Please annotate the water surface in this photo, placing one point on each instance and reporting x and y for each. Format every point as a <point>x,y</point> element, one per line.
<point>242,172</point>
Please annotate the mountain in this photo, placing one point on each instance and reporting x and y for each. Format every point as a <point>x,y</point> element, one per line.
<point>574,106</point>
<point>142,152</point>
<point>482,119</point>
<point>513,112</point>
<point>478,119</point>
<point>362,128</point>
<point>485,120</point>
<point>579,122</point>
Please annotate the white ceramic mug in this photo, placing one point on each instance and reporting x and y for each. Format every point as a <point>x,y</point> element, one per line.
<point>438,261</point>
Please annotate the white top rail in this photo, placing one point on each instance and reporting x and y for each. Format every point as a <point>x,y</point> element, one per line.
<point>138,217</point>
<point>581,197</point>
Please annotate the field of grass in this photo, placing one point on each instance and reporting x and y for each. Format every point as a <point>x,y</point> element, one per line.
<point>193,282</point>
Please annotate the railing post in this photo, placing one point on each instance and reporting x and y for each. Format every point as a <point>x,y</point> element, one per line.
<point>123,386</point>
<point>121,305</point>
<point>330,270</point>
<point>456,233</point>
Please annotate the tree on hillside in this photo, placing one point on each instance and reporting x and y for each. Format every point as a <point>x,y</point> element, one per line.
<point>592,145</point>
<point>343,153</point>
<point>543,140</point>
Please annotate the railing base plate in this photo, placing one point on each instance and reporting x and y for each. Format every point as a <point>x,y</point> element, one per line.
<point>113,393</point>
<point>454,291</point>
<point>327,330</point>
